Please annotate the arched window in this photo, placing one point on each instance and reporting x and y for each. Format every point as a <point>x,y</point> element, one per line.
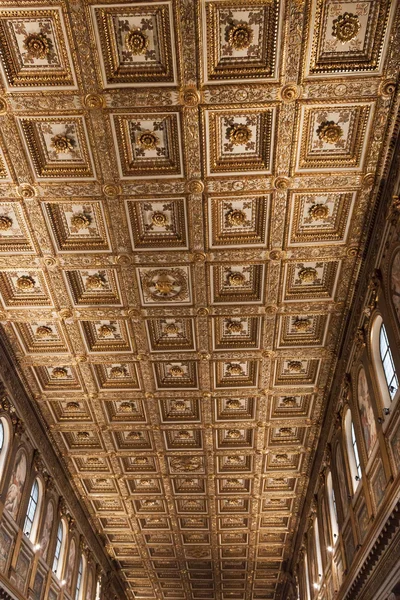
<point>332,509</point>
<point>79,580</point>
<point>33,511</point>
<point>318,549</point>
<point>385,369</point>
<point>355,452</point>
<point>60,550</point>
<point>98,589</point>
<point>388,363</point>
<point>89,586</point>
<point>307,577</point>
<point>4,443</point>
<point>352,451</point>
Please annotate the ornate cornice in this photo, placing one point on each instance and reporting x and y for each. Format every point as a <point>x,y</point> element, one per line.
<point>381,559</point>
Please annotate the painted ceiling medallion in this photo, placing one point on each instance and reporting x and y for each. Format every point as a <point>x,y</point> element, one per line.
<point>285,431</point>
<point>308,275</point>
<point>80,221</point>
<point>318,212</point>
<point>25,283</point>
<point>149,503</point>
<point>233,482</point>
<point>176,371</point>
<point>5,223</point>
<point>184,435</point>
<point>233,460</point>
<point>236,279</point>
<point>234,369</point>
<point>164,286</point>
<point>84,435</point>
<point>134,435</point>
<point>37,45</point>
<point>295,366</point>
<point>106,331</point>
<point>159,219</point>
<point>239,134</point>
<point>62,144</point>
<point>281,458</point>
<point>147,140</point>
<point>186,463</point>
<point>118,372</point>
<point>346,27</point>
<point>127,406</point>
<point>73,405</point>
<point>171,329</point>
<point>234,404</point>
<point>43,331</point>
<point>234,326</point>
<point>94,282</point>
<point>289,401</point>
<point>301,324</point>
<point>236,217</point>
<point>59,373</point>
<point>329,132</point>
<point>233,434</point>
<point>179,405</point>
<point>136,41</point>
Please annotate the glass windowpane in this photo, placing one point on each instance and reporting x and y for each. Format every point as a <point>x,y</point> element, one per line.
<point>388,363</point>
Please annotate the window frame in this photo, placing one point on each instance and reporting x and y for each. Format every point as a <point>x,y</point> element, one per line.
<point>332,505</point>
<point>79,581</point>
<point>4,450</point>
<point>33,519</point>
<point>318,554</point>
<point>58,571</point>
<point>387,353</point>
<point>387,402</point>
<point>352,449</point>
<point>307,576</point>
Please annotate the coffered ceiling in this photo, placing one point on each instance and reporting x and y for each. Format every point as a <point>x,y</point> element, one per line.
<point>186,187</point>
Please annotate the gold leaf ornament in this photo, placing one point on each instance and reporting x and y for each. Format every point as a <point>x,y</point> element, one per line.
<point>159,219</point>
<point>62,144</point>
<point>44,331</point>
<point>239,134</point>
<point>236,279</point>
<point>5,223</point>
<point>147,140</point>
<point>171,329</point>
<point>80,221</point>
<point>301,324</point>
<point>25,283</point>
<point>236,217</point>
<point>308,275</point>
<point>234,326</point>
<point>346,27</point>
<point>59,373</point>
<point>37,45</point>
<point>94,282</point>
<point>329,132</point>
<point>176,371</point>
<point>136,41</point>
<point>234,369</point>
<point>240,36</point>
<point>318,212</point>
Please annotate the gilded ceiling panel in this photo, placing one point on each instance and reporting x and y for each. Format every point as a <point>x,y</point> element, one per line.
<point>184,190</point>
